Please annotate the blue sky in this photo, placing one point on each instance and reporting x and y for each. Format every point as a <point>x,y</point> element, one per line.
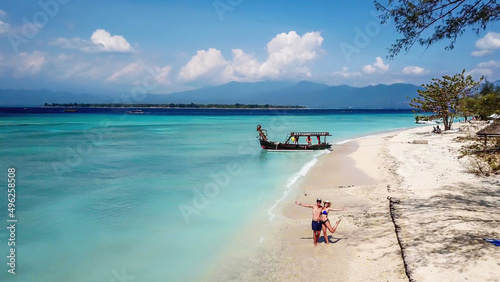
<point>167,46</point>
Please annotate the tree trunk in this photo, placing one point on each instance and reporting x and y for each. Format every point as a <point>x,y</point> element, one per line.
<point>448,121</point>
<point>445,123</point>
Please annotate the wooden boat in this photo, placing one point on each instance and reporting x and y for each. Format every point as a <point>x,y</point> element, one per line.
<point>135,112</point>
<point>312,139</point>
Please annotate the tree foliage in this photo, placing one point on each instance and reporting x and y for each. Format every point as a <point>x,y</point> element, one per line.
<point>415,19</point>
<point>444,97</point>
<point>487,101</point>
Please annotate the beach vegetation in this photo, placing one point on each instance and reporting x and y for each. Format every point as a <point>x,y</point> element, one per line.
<point>483,161</point>
<point>487,101</point>
<point>483,158</point>
<point>444,97</point>
<point>428,21</point>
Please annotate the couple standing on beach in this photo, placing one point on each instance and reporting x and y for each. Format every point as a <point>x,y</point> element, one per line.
<point>320,219</point>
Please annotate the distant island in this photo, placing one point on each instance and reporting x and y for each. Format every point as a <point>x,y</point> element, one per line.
<point>171,105</point>
<point>304,93</point>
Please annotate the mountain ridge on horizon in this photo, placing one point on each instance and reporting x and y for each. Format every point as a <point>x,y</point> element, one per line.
<point>304,93</point>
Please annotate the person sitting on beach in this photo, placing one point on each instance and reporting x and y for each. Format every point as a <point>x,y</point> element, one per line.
<point>438,130</point>
<point>326,222</point>
<point>316,222</point>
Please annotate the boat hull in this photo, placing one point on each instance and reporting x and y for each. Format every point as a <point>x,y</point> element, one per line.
<point>278,146</point>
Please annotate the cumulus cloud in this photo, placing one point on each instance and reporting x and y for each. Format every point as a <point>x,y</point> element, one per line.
<point>202,63</point>
<point>487,44</point>
<point>289,50</point>
<point>243,66</point>
<point>414,70</point>
<point>289,55</point>
<point>100,41</point>
<point>345,73</point>
<point>377,67</point>
<point>486,69</point>
<point>111,43</point>
<point>27,64</point>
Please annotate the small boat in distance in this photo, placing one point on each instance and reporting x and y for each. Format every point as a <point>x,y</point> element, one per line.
<point>426,122</point>
<point>135,112</point>
<point>292,141</point>
<point>70,110</point>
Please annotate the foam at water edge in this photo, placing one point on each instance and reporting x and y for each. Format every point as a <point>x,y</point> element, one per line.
<point>368,136</point>
<point>292,180</point>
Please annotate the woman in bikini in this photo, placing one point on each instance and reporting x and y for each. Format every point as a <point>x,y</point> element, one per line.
<point>326,222</point>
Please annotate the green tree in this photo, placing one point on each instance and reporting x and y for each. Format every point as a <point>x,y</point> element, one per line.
<point>429,21</point>
<point>444,97</point>
<point>487,101</point>
<point>467,107</point>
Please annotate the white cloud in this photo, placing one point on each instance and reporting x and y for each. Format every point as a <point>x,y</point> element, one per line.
<point>414,70</point>
<point>289,56</point>
<point>100,41</point>
<point>377,67</point>
<point>486,45</point>
<point>26,64</point>
<point>345,73</point>
<point>243,66</point>
<point>369,69</point>
<point>288,52</point>
<point>489,64</point>
<point>115,43</point>
<point>481,53</point>
<point>202,63</point>
<point>162,74</point>
<point>3,14</point>
<point>486,69</point>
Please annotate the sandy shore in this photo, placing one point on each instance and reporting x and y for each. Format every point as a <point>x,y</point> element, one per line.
<point>444,214</point>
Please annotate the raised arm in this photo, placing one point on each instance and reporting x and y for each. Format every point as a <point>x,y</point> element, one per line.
<point>307,206</point>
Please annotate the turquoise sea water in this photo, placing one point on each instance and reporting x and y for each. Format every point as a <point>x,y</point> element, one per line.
<point>104,197</point>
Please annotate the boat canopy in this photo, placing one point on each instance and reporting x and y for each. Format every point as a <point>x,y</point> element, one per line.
<point>310,134</point>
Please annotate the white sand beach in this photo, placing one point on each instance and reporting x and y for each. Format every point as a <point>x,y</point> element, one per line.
<point>442,212</point>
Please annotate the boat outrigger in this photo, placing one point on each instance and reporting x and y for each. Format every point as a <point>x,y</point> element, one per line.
<point>292,141</point>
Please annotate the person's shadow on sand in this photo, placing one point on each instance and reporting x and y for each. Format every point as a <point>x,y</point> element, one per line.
<point>322,239</point>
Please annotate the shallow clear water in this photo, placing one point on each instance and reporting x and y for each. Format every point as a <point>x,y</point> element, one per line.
<point>154,197</point>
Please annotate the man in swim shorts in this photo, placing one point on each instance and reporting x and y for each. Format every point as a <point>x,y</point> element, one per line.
<point>316,222</point>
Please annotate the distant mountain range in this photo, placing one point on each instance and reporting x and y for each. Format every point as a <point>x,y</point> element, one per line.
<point>304,93</point>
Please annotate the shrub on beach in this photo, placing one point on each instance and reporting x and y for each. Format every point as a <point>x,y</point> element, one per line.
<point>483,160</point>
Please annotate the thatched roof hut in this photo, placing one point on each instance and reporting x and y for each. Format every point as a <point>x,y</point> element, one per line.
<point>492,130</point>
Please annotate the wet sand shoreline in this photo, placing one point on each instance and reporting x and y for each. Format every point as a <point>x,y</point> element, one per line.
<point>442,214</point>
